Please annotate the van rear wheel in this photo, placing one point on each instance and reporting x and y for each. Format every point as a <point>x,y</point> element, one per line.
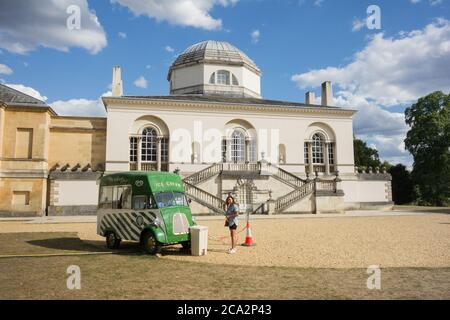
<point>112,241</point>
<point>149,243</point>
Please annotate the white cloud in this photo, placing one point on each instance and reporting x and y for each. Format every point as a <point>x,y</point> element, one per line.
<point>122,35</point>
<point>26,25</point>
<point>190,13</point>
<point>141,82</point>
<point>80,107</point>
<point>4,69</point>
<point>389,72</point>
<point>318,3</point>
<point>431,2</point>
<point>256,34</point>
<point>169,49</point>
<point>358,24</point>
<point>392,71</point>
<point>383,129</point>
<point>27,90</point>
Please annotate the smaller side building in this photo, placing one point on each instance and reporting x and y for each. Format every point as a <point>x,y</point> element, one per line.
<point>36,147</point>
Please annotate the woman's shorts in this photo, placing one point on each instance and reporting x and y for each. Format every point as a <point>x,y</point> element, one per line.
<point>233,227</point>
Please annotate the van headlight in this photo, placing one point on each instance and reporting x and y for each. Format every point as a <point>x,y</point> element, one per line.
<point>157,222</point>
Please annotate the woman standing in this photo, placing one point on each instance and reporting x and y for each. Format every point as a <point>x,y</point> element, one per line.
<point>232,221</point>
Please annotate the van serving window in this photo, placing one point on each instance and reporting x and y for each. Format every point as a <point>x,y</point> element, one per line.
<point>139,202</point>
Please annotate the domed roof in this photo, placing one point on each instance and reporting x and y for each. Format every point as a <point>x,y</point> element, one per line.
<point>213,51</point>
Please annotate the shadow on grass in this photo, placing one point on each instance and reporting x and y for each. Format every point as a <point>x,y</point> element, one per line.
<point>74,244</point>
<point>69,244</point>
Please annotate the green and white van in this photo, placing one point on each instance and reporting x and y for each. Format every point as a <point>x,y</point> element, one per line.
<point>149,207</point>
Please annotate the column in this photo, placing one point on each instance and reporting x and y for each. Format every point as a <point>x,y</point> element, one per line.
<point>310,154</point>
<point>158,153</point>
<point>139,153</point>
<point>327,159</point>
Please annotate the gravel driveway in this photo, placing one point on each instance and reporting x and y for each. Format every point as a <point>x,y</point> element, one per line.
<point>344,242</point>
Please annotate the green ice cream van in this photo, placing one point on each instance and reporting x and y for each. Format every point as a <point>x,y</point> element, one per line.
<point>149,207</point>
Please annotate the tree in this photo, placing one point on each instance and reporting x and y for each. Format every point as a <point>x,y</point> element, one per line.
<point>428,141</point>
<point>403,190</point>
<point>364,155</point>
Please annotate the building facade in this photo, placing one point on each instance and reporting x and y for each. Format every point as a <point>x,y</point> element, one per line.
<point>214,129</point>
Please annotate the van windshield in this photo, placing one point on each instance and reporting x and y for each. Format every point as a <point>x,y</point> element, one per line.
<point>170,199</point>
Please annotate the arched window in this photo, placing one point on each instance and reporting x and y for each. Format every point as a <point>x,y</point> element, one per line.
<point>223,77</point>
<point>318,149</point>
<point>149,145</point>
<point>212,79</point>
<point>238,146</point>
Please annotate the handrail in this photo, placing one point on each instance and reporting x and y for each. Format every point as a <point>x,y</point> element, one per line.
<point>204,174</point>
<point>292,197</point>
<point>248,167</point>
<point>207,199</point>
<point>285,176</point>
<point>261,206</point>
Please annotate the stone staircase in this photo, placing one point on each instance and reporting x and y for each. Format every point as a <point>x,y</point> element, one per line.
<point>302,188</point>
<point>291,198</point>
<point>210,201</point>
<point>204,174</point>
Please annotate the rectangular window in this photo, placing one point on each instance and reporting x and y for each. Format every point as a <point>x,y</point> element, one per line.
<point>139,202</point>
<point>306,150</point>
<point>24,143</point>
<point>133,149</point>
<point>331,153</point>
<point>105,199</point>
<point>252,156</point>
<point>149,148</point>
<point>317,153</point>
<point>21,198</point>
<point>121,197</point>
<point>164,150</point>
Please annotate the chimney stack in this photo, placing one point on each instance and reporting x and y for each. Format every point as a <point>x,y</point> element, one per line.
<point>117,88</point>
<point>310,97</point>
<point>327,94</point>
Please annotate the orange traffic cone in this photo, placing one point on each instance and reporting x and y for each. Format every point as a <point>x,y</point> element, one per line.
<point>248,238</point>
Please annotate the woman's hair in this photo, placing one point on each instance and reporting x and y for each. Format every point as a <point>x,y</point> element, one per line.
<point>230,197</point>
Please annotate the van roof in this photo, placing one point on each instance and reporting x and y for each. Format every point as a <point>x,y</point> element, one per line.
<point>154,180</point>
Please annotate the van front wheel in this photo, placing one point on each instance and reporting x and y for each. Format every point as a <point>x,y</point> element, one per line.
<point>112,241</point>
<point>149,243</point>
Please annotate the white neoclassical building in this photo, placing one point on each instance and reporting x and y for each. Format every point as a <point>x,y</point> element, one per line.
<point>217,131</point>
<point>214,128</point>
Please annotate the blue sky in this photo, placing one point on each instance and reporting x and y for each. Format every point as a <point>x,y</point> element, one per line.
<point>297,44</point>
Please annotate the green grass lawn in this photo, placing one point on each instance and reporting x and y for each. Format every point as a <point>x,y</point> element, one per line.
<point>131,275</point>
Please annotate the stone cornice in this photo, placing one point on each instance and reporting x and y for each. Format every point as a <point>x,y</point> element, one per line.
<point>29,107</point>
<point>214,106</point>
<point>76,129</point>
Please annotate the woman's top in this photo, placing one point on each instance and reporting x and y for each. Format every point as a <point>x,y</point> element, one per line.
<point>231,210</point>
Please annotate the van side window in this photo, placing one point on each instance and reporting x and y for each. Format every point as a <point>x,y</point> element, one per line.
<point>139,202</point>
<point>105,199</point>
<point>122,197</point>
<point>115,197</point>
